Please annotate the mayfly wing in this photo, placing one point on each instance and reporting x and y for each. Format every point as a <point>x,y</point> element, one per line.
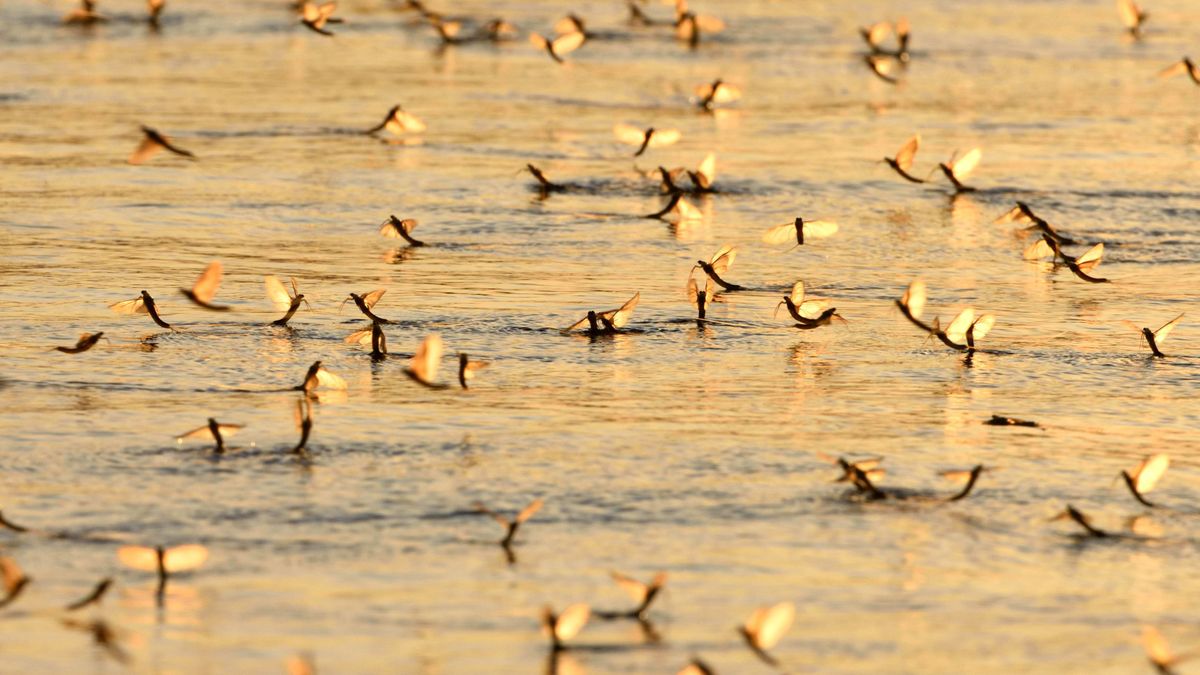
<point>369,299</point>
<point>359,337</point>
<point>141,558</point>
<point>277,293</point>
<point>571,621</point>
<point>1164,330</point>
<point>708,168</point>
<point>632,587</point>
<point>427,359</point>
<point>1090,258</point>
<point>914,298</point>
<point>780,234</point>
<point>957,330</point>
<point>205,288</point>
<point>904,157</point>
<point>329,380</point>
<point>565,44</point>
<point>662,137</point>
<point>818,229</point>
<point>966,164</point>
<point>723,258</point>
<point>629,134</point>
<point>1037,250</point>
<point>529,510</point>
<point>185,557</point>
<point>621,317</point>
<point>1148,472</point>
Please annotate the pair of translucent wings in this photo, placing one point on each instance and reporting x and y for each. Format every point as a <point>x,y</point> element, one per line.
<point>1131,15</point>
<point>278,294</point>
<point>316,14</point>
<point>205,288</point>
<point>723,259</point>
<point>907,152</point>
<point>876,33</point>
<point>631,135</point>
<point>963,166</point>
<point>1044,249</point>
<point>561,45</point>
<point>204,433</point>
<point>914,298</point>
<point>175,559</point>
<point>568,624</point>
<point>811,229</point>
<point>392,228</point>
<point>956,332</point>
<point>428,357</point>
<point>718,92</point>
<point>400,122</point>
<point>810,308</point>
<point>693,291</point>
<point>11,574</point>
<point>688,24</point>
<point>523,515</point>
<point>1152,467</point>
<point>619,317</point>
<point>767,625</point>
<point>636,589</point>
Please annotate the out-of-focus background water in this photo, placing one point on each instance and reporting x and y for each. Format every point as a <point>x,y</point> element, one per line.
<point>685,448</point>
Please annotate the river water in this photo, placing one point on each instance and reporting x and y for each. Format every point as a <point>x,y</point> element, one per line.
<point>688,448</point>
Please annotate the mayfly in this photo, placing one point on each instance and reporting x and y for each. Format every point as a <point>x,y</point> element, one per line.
<point>1080,266</point>
<point>394,228</point>
<point>680,210</point>
<point>1145,475</point>
<point>559,46</point>
<point>641,593</point>
<point>372,336</point>
<point>152,143</point>
<point>283,299</point>
<point>304,423</point>
<point>1184,66</point>
<point>715,93</point>
<point>544,184</point>
<point>800,230</point>
<point>609,322</point>
<point>85,342</point>
<point>1004,421</point>
<point>1082,520</point>
<point>964,329</point>
<point>765,627</point>
<point>912,304</point>
<point>205,289</point>
<point>423,366</point>
<point>805,311</point>
<point>1158,651</point>
<point>645,138</point>
<point>155,8</point>
<point>562,627</point>
<point>366,301</point>
<point>14,580</point>
<point>84,15</point>
<point>318,377</point>
<point>511,526</point>
<point>875,34</point>
<point>903,160</point>
<point>958,169</point>
<point>1155,338</point>
<point>700,299</point>
<point>1132,16</point>
<point>882,66</point>
<point>398,123</point>
<point>1022,213</point>
<point>689,25</point>
<point>467,369</point>
<point>212,431</point>
<point>92,598</point>
<point>164,561</point>
<point>142,305</point>
<point>705,174</point>
<point>719,263</point>
<point>316,16</point>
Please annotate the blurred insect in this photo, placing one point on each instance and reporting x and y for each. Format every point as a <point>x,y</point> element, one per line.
<point>964,329</point>
<point>562,627</point>
<point>498,30</point>
<point>1080,266</point>
<point>1078,517</point>
<point>424,365</point>
<point>450,31</point>
<point>366,301</point>
<point>689,26</point>
<point>103,636</point>
<point>764,628</point>
<point>304,423</point>
<point>318,377</point>
<point>1185,66</point>
<point>680,209</point>
<point>609,322</point>
<point>643,594</point>
<point>93,597</point>
<point>152,143</point>
<point>716,93</point>
<point>544,184</point>
<point>875,35</point>
<point>1145,475</point>
<point>903,160</point>
<point>645,138</point>
<point>511,526</point>
<point>912,305</point>
<point>1002,421</point>
<point>86,341</point>
<point>802,310</point>
<point>394,228</point>
<point>697,667</point>
<point>719,263</point>
<point>560,46</point>
<point>205,289</point>
<point>211,432</point>
<point>14,580</point>
<point>1155,338</point>
<point>705,174</point>
<point>1132,16</point>
<point>570,24</point>
<point>700,299</point>
<point>317,16</point>
<point>1158,651</point>
<point>279,295</point>
<point>868,466</point>
<point>164,561</point>
<point>957,170</point>
<point>883,66</point>
<point>969,477</point>
<point>398,123</point>
<point>155,9</point>
<point>84,15</point>
<point>301,664</point>
<point>467,369</point>
<point>1022,213</point>
<point>801,230</point>
<point>142,305</point>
